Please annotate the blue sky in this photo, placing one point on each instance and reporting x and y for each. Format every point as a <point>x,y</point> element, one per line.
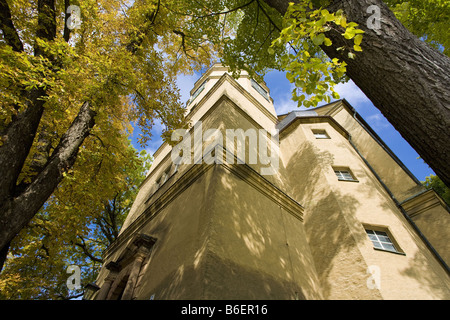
<point>280,91</point>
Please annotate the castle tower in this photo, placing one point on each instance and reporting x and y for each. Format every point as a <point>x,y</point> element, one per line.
<point>251,205</point>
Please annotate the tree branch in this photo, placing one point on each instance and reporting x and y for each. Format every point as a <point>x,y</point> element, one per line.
<point>267,16</point>
<point>46,28</point>
<point>138,36</point>
<point>212,14</point>
<point>16,212</point>
<point>18,138</point>
<point>86,251</point>
<point>183,43</point>
<point>19,135</point>
<point>66,34</point>
<point>9,31</point>
<point>70,297</point>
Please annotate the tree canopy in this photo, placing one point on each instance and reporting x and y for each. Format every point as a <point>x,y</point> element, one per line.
<point>75,76</point>
<point>433,181</point>
<point>61,86</point>
<point>73,81</point>
<point>77,223</point>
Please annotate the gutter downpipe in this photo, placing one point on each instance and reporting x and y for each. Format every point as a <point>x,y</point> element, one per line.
<point>399,206</point>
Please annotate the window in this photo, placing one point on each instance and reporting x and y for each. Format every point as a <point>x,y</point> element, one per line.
<point>344,175</point>
<point>381,240</point>
<point>163,178</point>
<point>198,91</point>
<point>119,289</point>
<point>260,89</point>
<point>320,134</point>
<point>123,279</point>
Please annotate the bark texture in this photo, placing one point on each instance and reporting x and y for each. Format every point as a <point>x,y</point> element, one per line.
<point>407,80</point>
<point>20,202</point>
<point>17,211</point>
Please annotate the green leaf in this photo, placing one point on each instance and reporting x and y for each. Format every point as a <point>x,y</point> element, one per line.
<point>357,48</point>
<point>335,95</point>
<point>318,40</point>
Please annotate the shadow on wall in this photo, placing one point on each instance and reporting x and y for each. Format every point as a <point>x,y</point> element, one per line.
<point>171,273</point>
<point>329,223</point>
<point>223,239</point>
<point>335,234</point>
<point>420,271</point>
<point>252,250</point>
<point>238,249</point>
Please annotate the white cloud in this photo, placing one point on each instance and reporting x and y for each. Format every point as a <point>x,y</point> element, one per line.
<point>350,92</point>
<point>281,92</point>
<point>283,102</point>
<point>377,121</point>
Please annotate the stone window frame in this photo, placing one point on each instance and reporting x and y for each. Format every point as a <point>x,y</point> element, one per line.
<point>379,235</point>
<point>197,92</point>
<point>165,176</point>
<point>260,89</point>
<point>320,134</point>
<point>124,273</point>
<point>344,174</point>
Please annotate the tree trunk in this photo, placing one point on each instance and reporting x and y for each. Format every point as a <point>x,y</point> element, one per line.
<point>406,79</point>
<point>19,204</point>
<point>18,138</point>
<point>17,211</point>
<point>3,255</point>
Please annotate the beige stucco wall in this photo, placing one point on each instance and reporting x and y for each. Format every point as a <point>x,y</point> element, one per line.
<point>250,102</point>
<point>270,277</point>
<point>430,214</point>
<point>213,75</point>
<point>257,249</point>
<point>394,176</point>
<point>225,113</point>
<point>175,271</point>
<point>336,213</point>
<point>340,266</point>
<point>234,243</point>
<point>225,232</point>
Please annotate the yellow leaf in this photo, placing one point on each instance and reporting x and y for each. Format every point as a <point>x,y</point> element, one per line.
<point>358,39</point>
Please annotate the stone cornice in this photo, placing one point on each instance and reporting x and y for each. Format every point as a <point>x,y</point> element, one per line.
<point>422,202</point>
<point>236,85</point>
<point>314,119</point>
<point>223,99</point>
<point>243,171</point>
